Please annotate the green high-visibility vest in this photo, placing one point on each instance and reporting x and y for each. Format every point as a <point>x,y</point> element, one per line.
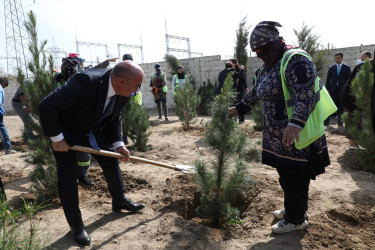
<point>178,81</point>
<point>324,106</point>
<point>165,88</point>
<point>138,98</point>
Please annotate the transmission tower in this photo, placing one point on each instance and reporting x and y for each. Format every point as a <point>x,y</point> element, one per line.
<point>129,47</point>
<point>172,38</point>
<point>16,40</point>
<point>89,44</point>
<point>58,54</point>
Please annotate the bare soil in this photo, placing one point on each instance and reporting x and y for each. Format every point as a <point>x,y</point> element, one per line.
<point>341,203</point>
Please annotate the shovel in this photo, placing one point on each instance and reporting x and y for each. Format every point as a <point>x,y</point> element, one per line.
<point>183,168</point>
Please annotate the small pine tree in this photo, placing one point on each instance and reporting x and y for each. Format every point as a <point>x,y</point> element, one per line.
<point>242,41</point>
<point>221,186</point>
<point>361,125</point>
<point>43,176</point>
<point>136,124</point>
<point>187,101</point>
<point>310,43</point>
<point>257,113</point>
<point>206,92</point>
<point>173,64</point>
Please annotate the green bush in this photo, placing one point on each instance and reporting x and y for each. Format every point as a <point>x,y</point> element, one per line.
<point>206,92</point>
<point>360,127</point>
<point>186,101</point>
<point>43,176</point>
<point>136,124</point>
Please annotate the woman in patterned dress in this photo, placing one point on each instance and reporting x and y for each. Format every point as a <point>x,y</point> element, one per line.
<point>296,167</point>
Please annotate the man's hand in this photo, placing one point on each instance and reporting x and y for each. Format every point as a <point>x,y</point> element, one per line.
<point>289,135</point>
<point>125,152</point>
<point>60,146</point>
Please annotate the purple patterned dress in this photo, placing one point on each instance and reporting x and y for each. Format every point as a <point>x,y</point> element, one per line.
<point>300,75</point>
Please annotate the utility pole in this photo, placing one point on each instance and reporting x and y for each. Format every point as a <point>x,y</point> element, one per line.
<point>16,40</point>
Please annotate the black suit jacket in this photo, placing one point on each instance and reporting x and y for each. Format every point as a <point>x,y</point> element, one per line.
<point>76,108</point>
<point>333,78</point>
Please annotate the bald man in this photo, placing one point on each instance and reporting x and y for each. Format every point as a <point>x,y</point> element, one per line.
<point>86,111</point>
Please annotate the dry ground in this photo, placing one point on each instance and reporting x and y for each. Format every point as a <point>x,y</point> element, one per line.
<point>341,205</point>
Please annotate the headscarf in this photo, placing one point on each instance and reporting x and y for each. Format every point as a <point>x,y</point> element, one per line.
<point>69,67</point>
<point>264,33</point>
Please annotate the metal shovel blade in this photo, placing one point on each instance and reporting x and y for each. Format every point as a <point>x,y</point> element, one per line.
<point>186,169</point>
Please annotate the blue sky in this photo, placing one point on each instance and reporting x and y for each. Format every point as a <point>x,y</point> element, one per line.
<point>209,24</point>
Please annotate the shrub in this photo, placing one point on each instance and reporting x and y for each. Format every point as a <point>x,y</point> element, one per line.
<point>220,186</point>
<point>360,127</point>
<point>206,92</point>
<point>43,176</point>
<point>186,100</point>
<point>135,124</point>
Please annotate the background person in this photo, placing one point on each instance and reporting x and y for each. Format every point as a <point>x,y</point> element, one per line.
<point>159,90</point>
<point>179,79</point>
<point>3,130</point>
<point>223,75</point>
<point>240,85</point>
<point>23,110</point>
<point>337,77</point>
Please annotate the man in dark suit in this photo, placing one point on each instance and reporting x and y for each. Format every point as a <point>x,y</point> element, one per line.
<point>337,77</point>
<point>86,111</point>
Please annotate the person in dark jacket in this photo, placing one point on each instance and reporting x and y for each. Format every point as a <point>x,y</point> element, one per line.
<point>86,111</point>
<point>240,85</point>
<point>373,96</point>
<point>337,77</point>
<point>223,75</point>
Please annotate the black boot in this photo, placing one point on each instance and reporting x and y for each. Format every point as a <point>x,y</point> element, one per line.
<point>80,235</point>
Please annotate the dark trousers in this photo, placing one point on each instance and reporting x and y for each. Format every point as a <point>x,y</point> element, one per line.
<point>2,190</point>
<point>165,109</point>
<point>83,160</point>
<point>241,117</point>
<point>67,181</point>
<point>295,182</point>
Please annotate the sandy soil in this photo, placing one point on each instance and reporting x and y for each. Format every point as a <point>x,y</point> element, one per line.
<point>341,204</point>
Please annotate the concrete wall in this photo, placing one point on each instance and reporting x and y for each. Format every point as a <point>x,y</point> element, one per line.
<point>208,67</point>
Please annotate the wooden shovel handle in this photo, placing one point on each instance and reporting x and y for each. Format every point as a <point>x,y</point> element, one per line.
<point>117,155</point>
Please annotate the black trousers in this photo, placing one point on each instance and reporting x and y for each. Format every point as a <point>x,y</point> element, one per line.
<point>2,190</point>
<point>67,181</point>
<point>295,182</point>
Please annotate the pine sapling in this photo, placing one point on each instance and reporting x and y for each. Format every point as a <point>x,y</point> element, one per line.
<point>187,101</point>
<point>221,183</point>
<point>136,124</point>
<point>360,127</point>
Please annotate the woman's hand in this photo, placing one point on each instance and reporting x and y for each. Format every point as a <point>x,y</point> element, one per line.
<point>289,134</point>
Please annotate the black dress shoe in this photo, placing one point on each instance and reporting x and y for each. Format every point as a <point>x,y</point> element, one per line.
<point>127,204</point>
<point>80,235</point>
<point>83,180</point>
